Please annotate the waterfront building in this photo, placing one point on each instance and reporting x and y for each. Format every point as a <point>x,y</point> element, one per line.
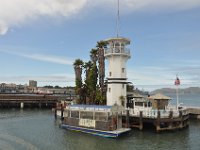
<point>32,83</point>
<point>117,55</point>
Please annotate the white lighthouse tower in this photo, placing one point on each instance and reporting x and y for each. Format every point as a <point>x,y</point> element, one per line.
<point>117,55</point>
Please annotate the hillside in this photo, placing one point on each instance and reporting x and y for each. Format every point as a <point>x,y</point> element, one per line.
<point>191,90</point>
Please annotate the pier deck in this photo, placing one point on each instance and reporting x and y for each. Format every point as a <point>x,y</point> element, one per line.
<point>162,121</point>
<point>27,100</point>
<point>194,112</point>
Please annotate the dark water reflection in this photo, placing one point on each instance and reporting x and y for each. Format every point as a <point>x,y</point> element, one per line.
<point>37,129</point>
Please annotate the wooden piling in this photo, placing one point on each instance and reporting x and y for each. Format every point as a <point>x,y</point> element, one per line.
<point>127,118</point>
<point>181,118</point>
<point>62,109</point>
<point>158,122</point>
<point>141,121</point>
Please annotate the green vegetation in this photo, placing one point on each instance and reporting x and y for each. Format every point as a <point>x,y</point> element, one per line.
<point>91,91</point>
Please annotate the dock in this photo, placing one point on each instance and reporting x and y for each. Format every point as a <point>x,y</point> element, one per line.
<point>158,119</point>
<point>194,112</point>
<point>28,101</point>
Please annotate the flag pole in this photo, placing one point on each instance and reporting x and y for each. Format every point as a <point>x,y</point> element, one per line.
<point>177,83</point>
<point>177,96</point>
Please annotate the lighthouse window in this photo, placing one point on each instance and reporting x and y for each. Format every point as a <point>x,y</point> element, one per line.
<point>123,70</point>
<point>110,74</point>
<point>117,47</point>
<point>109,89</point>
<point>123,86</point>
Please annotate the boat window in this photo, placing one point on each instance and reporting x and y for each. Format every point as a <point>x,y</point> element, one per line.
<point>86,115</point>
<point>101,116</point>
<point>74,114</point>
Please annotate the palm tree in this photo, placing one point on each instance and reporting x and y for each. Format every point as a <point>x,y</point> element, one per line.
<point>93,76</point>
<point>93,55</point>
<point>87,66</point>
<point>101,59</point>
<point>78,73</point>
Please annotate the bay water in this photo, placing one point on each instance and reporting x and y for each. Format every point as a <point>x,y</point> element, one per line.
<point>36,129</point>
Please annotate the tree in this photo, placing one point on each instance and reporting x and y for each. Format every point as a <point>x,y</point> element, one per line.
<point>92,76</point>
<point>78,64</point>
<point>101,60</point>
<point>87,66</point>
<point>90,92</point>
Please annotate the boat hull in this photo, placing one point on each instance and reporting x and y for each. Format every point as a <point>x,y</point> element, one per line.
<point>106,134</point>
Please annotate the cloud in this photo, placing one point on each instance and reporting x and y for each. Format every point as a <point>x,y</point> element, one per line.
<point>48,58</point>
<point>153,77</point>
<point>161,4</point>
<point>18,12</point>
<point>43,57</point>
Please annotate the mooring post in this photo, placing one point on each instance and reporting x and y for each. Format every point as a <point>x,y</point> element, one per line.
<point>181,117</point>
<point>21,105</point>
<point>141,120</point>
<point>62,109</point>
<point>158,122</point>
<point>127,118</point>
<point>171,119</point>
<point>55,112</point>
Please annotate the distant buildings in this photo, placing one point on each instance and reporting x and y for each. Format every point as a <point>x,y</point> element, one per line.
<point>33,89</point>
<point>11,88</point>
<point>32,83</point>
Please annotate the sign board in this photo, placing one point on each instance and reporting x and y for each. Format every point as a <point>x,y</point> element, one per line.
<point>87,123</point>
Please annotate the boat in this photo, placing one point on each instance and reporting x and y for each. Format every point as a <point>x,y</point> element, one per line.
<point>104,121</point>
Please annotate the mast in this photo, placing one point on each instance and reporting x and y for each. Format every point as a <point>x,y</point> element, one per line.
<point>118,19</point>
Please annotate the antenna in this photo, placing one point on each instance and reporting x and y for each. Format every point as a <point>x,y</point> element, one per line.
<point>118,20</point>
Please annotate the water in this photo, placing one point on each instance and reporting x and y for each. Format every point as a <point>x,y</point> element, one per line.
<point>186,98</point>
<point>37,129</point>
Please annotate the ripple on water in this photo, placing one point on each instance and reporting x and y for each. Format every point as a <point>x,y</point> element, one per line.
<point>9,142</point>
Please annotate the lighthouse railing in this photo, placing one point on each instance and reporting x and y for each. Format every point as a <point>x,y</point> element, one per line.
<point>118,50</point>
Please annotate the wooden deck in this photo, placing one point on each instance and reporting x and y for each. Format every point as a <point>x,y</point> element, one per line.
<point>160,122</point>
<point>194,112</point>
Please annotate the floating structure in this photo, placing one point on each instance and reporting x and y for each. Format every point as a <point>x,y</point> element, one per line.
<point>156,111</point>
<point>105,121</point>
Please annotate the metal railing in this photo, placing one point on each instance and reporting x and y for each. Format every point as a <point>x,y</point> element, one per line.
<point>118,50</point>
<point>151,113</point>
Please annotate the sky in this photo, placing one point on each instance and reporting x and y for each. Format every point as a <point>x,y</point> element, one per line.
<point>40,39</point>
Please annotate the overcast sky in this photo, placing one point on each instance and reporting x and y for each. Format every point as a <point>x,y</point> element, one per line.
<point>40,39</point>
